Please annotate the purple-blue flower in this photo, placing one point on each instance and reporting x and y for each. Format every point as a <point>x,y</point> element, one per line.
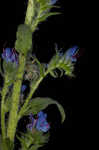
<point>71,53</point>
<point>40,123</point>
<point>31,125</point>
<point>52,2</point>
<point>23,88</point>
<point>10,55</point>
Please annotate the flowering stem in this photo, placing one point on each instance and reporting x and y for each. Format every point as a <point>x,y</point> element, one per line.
<point>4,92</point>
<point>33,89</point>
<point>15,99</point>
<point>30,12</point>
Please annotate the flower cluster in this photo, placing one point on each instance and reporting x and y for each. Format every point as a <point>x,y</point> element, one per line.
<point>10,55</point>
<point>40,123</point>
<point>71,54</point>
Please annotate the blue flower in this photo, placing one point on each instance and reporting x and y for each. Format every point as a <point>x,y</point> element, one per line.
<point>40,123</point>
<point>71,53</point>
<point>52,2</point>
<point>9,55</point>
<point>23,88</point>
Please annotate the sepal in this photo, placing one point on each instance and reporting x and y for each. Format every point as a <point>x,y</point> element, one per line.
<point>32,140</point>
<point>58,61</point>
<point>10,69</point>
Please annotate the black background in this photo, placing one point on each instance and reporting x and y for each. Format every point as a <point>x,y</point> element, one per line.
<point>68,29</point>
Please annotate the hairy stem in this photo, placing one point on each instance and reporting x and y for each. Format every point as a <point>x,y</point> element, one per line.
<point>4,92</point>
<point>12,124</point>
<point>30,12</point>
<point>33,89</point>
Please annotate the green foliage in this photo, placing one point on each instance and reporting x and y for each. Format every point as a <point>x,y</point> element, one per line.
<point>44,17</point>
<point>6,144</point>
<point>40,103</point>
<point>9,144</point>
<point>42,67</point>
<point>37,12</point>
<point>24,39</point>
<point>59,62</point>
<point>7,106</point>
<point>10,69</point>
<point>32,140</point>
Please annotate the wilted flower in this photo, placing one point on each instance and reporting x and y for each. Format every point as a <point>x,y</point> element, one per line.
<point>10,55</point>
<point>40,123</point>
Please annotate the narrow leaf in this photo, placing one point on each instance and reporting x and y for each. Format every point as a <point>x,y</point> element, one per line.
<point>40,19</point>
<point>40,66</point>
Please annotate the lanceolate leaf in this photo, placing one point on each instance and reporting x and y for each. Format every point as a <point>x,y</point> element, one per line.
<point>41,67</point>
<point>41,103</point>
<point>44,17</point>
<point>48,7</point>
<point>53,74</point>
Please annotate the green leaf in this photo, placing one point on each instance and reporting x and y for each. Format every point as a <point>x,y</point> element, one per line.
<point>68,67</point>
<point>22,141</point>
<point>10,69</point>
<point>59,62</point>
<point>44,17</point>
<point>53,74</point>
<point>53,62</point>
<point>40,103</point>
<point>33,140</point>
<point>24,39</point>
<point>41,67</point>
<point>48,7</point>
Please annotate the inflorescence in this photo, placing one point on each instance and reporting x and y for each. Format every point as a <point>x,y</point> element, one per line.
<point>10,55</point>
<point>40,123</point>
